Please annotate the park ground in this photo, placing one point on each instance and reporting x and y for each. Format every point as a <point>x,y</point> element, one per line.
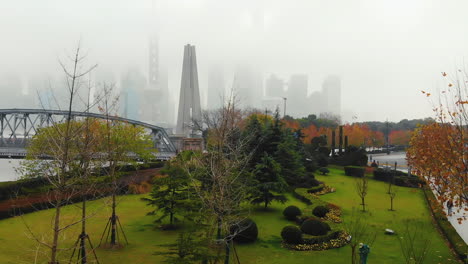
<point>18,245</point>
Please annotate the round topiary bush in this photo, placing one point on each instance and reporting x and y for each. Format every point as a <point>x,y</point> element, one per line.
<point>247,231</point>
<point>315,227</point>
<point>320,211</point>
<point>291,235</point>
<point>292,212</point>
<point>324,171</point>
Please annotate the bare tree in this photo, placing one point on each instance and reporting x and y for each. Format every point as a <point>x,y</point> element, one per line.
<point>359,231</point>
<point>414,242</point>
<point>220,179</point>
<point>59,143</point>
<point>119,140</point>
<point>361,189</point>
<point>392,192</point>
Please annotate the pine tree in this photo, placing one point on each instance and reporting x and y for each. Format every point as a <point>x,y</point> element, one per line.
<point>267,182</point>
<point>172,195</point>
<point>292,167</point>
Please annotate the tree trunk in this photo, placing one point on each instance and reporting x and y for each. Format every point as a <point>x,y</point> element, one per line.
<point>391,204</point>
<point>353,254</point>
<point>83,233</point>
<point>228,249</point>
<point>113,222</point>
<point>53,257</point>
<point>363,204</point>
<point>218,235</point>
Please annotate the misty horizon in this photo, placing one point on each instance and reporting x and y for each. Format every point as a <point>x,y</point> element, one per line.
<point>385,52</point>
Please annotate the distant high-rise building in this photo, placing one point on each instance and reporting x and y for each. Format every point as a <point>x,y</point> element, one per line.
<point>132,86</point>
<point>274,86</point>
<point>155,99</point>
<point>331,89</point>
<point>297,96</point>
<point>216,88</point>
<point>189,102</point>
<point>248,87</point>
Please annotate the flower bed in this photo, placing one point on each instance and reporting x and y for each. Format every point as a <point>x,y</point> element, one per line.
<point>333,240</point>
<point>326,189</point>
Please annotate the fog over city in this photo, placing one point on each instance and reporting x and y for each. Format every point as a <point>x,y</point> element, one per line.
<point>384,52</point>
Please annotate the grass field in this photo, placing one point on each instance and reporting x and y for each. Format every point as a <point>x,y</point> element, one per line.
<point>17,246</point>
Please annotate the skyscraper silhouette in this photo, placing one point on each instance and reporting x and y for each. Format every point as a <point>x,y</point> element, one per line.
<point>189,102</point>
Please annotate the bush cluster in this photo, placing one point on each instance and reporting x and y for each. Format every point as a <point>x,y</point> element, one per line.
<point>320,211</point>
<point>354,171</point>
<point>398,177</point>
<point>291,235</point>
<point>307,181</point>
<point>292,212</point>
<point>247,231</point>
<point>315,227</point>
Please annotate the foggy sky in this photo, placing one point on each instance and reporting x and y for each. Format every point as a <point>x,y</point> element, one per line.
<point>385,51</point>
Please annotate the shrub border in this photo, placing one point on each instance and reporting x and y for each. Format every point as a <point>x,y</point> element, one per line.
<point>446,228</point>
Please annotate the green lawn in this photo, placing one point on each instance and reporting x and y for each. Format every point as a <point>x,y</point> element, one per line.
<point>18,247</point>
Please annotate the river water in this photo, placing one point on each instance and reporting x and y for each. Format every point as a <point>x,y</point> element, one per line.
<point>7,169</point>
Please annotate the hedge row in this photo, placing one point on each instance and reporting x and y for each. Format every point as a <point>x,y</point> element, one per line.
<point>316,188</point>
<point>456,242</point>
<point>398,177</point>
<point>355,171</point>
<point>9,190</point>
<point>301,197</point>
<point>13,189</point>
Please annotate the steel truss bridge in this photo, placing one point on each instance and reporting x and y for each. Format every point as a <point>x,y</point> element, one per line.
<point>17,126</point>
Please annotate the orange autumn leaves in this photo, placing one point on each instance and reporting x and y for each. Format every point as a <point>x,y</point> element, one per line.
<point>358,134</point>
<point>439,153</point>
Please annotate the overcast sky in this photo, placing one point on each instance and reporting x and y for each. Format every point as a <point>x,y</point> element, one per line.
<point>385,51</point>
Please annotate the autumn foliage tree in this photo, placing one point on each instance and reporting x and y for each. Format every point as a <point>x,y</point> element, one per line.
<point>438,151</point>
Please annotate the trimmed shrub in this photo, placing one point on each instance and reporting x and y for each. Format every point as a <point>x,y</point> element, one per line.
<point>316,189</point>
<point>324,171</point>
<point>301,194</point>
<point>292,212</point>
<point>247,231</point>
<point>354,171</point>
<point>291,235</point>
<point>322,239</point>
<point>315,227</point>
<point>320,211</point>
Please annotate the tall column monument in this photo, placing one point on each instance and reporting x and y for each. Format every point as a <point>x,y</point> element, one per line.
<point>189,100</point>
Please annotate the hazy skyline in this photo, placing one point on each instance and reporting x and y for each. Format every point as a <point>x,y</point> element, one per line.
<point>385,51</point>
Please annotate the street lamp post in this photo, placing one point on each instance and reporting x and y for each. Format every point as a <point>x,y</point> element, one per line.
<point>284,99</point>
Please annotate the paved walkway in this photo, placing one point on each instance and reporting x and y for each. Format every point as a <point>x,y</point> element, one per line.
<point>400,158</point>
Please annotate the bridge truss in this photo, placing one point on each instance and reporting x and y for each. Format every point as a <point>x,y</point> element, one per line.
<point>17,126</point>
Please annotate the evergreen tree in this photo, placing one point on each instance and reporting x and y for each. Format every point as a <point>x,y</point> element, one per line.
<point>172,194</point>
<point>292,167</point>
<point>267,181</point>
<point>254,132</point>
